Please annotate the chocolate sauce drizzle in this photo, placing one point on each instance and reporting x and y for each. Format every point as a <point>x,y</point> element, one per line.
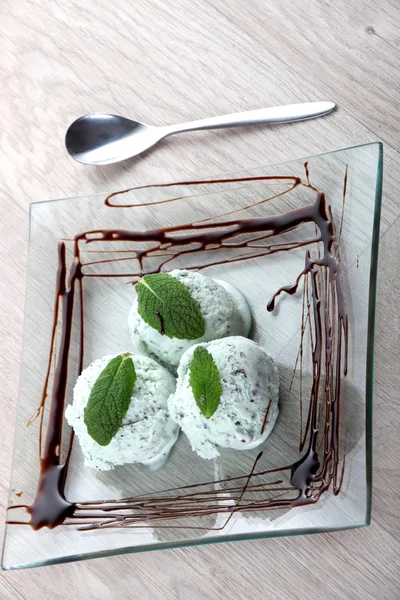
<point>324,313</point>
<point>161,319</point>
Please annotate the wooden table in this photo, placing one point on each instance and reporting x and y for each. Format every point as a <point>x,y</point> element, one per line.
<point>172,61</point>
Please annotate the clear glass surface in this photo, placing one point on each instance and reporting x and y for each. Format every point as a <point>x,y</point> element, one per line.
<point>259,274</point>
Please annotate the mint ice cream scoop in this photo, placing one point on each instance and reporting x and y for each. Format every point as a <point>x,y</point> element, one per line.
<point>244,399</point>
<point>158,320</point>
<point>147,432</point>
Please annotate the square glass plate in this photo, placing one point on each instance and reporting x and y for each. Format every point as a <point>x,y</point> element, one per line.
<point>260,245</point>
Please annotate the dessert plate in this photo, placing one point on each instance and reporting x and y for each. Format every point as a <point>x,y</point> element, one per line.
<point>300,240</point>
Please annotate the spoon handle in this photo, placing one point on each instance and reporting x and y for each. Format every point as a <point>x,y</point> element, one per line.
<point>277,114</point>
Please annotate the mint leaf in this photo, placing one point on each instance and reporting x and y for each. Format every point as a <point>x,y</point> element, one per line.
<point>204,381</point>
<point>166,305</point>
<point>109,399</point>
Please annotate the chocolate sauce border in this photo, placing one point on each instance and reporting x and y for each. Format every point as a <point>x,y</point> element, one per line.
<point>311,476</point>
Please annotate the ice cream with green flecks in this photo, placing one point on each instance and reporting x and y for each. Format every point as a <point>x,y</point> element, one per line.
<point>216,310</point>
<point>226,396</point>
<point>147,432</point>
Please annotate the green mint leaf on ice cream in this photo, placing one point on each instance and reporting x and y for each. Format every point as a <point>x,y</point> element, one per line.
<point>109,399</point>
<point>205,382</point>
<point>166,305</point>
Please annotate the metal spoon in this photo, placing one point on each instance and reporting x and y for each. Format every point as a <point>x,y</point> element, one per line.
<point>102,139</point>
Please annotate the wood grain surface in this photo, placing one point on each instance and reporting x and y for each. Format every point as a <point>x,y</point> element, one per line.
<point>172,61</point>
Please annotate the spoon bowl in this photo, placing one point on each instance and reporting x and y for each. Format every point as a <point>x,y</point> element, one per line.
<point>102,139</point>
